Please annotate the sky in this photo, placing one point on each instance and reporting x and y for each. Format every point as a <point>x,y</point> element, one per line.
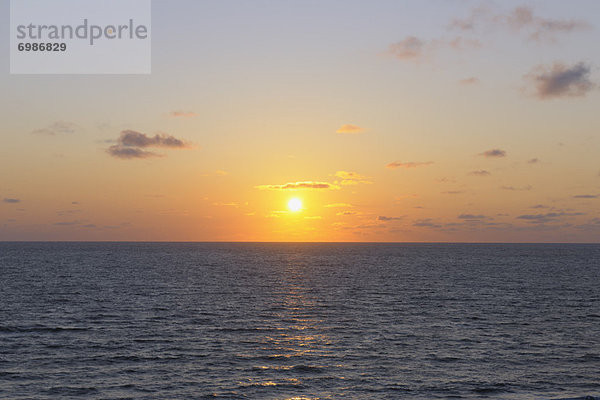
<point>391,121</point>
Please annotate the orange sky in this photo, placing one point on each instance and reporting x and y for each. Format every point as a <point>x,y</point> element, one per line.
<point>475,124</point>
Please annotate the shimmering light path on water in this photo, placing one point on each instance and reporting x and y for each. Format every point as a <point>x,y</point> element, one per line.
<point>277,321</point>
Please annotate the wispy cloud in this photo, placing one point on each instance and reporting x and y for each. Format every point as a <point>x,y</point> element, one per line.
<point>182,114</point>
<point>539,206</point>
<point>410,48</point>
<point>350,129</point>
<point>533,161</point>
<point>68,223</point>
<point>57,128</point>
<point>130,144</point>
<point>414,49</point>
<point>407,165</point>
<point>426,223</point>
<point>10,200</point>
<point>384,218</point>
<point>472,216</point>
<point>548,217</point>
<point>469,81</point>
<point>338,205</point>
<point>130,152</point>
<point>539,28</point>
<point>480,173</point>
<point>494,153</point>
<point>585,196</point>
<point>351,178</point>
<point>453,192</point>
<point>520,20</point>
<point>226,204</point>
<point>298,186</point>
<point>346,213</point>
<point>559,80</point>
<point>517,188</point>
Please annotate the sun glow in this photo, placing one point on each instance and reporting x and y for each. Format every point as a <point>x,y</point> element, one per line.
<point>295,204</point>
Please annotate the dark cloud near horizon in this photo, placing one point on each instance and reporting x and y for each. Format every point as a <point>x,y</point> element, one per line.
<point>585,196</point>
<point>10,200</point>
<point>426,223</point>
<point>559,80</point>
<point>548,217</point>
<point>516,188</point>
<point>539,206</point>
<point>480,173</point>
<point>384,218</point>
<point>67,223</point>
<point>471,216</point>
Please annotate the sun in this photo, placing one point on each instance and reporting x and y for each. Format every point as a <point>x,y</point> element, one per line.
<point>295,204</point>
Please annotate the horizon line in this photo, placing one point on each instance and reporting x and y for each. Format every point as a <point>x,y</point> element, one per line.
<point>277,242</point>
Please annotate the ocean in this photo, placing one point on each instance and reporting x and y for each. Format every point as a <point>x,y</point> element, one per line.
<point>299,321</point>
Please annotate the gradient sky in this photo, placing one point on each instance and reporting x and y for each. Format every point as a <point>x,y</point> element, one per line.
<point>418,120</point>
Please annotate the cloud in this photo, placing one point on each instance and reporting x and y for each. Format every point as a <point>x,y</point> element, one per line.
<point>67,223</point>
<point>469,81</point>
<point>58,127</point>
<point>539,206</point>
<point>130,144</point>
<point>539,28</point>
<point>344,213</point>
<point>548,217</point>
<point>533,161</point>
<point>221,172</point>
<point>11,201</point>
<point>520,20</point>
<point>453,192</point>
<point>585,196</point>
<point>338,205</point>
<point>410,48</point>
<point>130,152</point>
<point>471,216</point>
<point>559,80</point>
<point>298,186</point>
<point>477,15</point>
<point>226,204</point>
<point>137,139</point>
<point>522,188</point>
<point>384,218</point>
<point>351,178</point>
<point>480,173</point>
<point>350,129</point>
<point>426,223</point>
<point>407,165</point>
<point>183,114</point>
<point>494,153</point>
